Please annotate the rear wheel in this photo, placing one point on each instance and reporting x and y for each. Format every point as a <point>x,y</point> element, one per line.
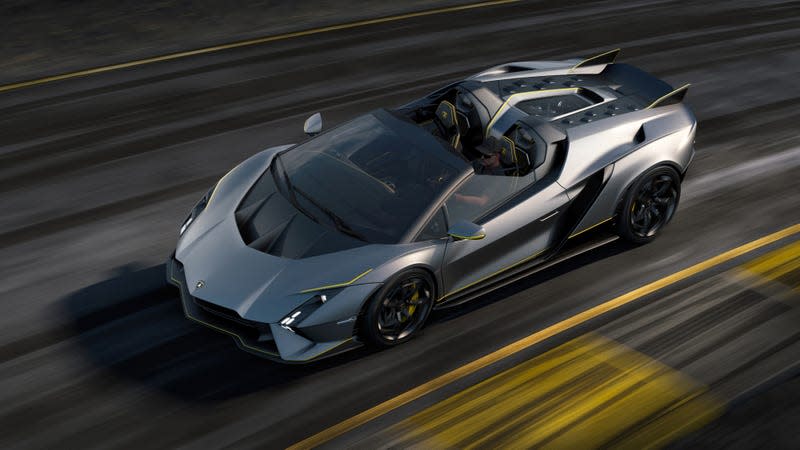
<point>399,309</point>
<point>649,205</point>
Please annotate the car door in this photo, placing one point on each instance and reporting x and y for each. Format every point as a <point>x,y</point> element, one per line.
<point>519,225</point>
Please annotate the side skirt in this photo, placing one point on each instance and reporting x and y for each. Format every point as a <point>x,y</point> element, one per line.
<point>537,265</point>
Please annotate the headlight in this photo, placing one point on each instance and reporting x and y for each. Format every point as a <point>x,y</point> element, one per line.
<point>298,315</point>
<point>186,223</point>
<point>198,208</point>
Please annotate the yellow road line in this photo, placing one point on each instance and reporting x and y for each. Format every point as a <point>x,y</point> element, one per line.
<point>542,404</point>
<point>776,268</point>
<point>634,389</point>
<point>641,393</point>
<point>776,263</point>
<point>502,389</point>
<point>460,420</point>
<point>535,338</point>
<point>586,393</point>
<point>251,42</point>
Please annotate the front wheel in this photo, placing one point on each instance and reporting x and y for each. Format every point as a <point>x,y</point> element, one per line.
<point>399,309</point>
<point>649,205</point>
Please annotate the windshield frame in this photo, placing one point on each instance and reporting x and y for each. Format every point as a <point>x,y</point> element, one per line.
<point>416,228</point>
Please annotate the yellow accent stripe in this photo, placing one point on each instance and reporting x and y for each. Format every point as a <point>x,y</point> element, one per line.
<point>516,173</point>
<point>211,197</point>
<point>469,238</point>
<point>513,148</point>
<point>581,394</point>
<point>535,338</point>
<point>583,63</point>
<point>250,42</point>
<point>531,94</point>
<point>338,285</point>
<point>591,227</point>
<point>665,96</point>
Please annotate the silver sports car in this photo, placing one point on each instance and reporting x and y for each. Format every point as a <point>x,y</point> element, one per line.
<point>353,236</point>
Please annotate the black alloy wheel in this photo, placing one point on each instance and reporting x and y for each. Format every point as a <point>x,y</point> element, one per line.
<point>399,309</point>
<point>649,205</point>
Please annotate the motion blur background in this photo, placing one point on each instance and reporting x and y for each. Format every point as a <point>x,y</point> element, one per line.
<point>97,172</point>
<point>49,37</point>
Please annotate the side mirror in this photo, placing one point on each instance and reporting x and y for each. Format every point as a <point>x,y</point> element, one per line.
<point>313,124</point>
<point>466,230</point>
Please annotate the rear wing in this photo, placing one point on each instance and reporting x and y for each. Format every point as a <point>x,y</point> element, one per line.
<point>671,98</point>
<point>635,81</point>
<point>603,58</point>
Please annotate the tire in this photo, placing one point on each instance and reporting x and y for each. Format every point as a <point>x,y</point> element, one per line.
<point>399,309</point>
<point>649,205</point>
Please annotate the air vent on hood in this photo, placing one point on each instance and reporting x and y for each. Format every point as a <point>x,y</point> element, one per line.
<point>268,222</point>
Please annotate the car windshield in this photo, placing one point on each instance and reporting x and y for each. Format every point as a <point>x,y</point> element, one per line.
<point>370,178</point>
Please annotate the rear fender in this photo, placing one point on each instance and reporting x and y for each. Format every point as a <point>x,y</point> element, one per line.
<point>668,150</point>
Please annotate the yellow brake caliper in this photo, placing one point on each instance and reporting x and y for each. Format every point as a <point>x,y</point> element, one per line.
<point>411,308</point>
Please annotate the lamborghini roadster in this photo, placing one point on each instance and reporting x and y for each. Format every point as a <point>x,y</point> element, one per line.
<point>355,235</point>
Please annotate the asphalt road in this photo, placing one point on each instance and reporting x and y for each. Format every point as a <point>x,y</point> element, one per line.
<point>96,174</point>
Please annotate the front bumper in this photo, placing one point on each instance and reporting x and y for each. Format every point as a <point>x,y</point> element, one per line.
<point>269,341</point>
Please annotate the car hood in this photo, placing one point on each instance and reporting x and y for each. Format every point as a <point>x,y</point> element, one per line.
<point>222,269</point>
<point>268,222</point>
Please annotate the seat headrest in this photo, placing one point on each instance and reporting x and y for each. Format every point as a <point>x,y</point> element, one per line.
<point>508,154</point>
<point>446,114</point>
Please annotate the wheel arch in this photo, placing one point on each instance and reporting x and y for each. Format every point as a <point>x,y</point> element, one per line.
<point>621,197</point>
<point>623,223</point>
<point>437,286</point>
<point>626,171</point>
